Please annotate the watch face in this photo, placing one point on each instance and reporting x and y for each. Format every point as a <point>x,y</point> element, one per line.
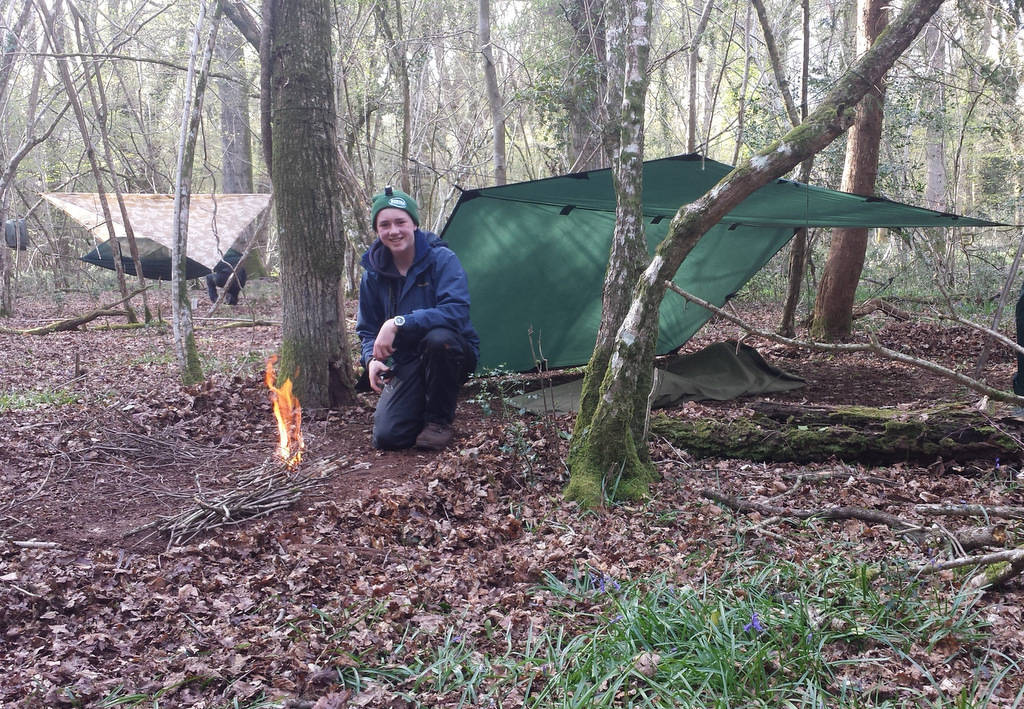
<point>399,321</point>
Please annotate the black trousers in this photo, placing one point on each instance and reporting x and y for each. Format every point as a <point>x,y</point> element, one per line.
<point>219,279</point>
<point>423,390</point>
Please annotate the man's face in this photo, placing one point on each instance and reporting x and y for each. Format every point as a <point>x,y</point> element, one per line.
<point>395,229</point>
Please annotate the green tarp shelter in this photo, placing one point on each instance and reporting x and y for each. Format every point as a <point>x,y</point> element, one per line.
<point>536,252</point>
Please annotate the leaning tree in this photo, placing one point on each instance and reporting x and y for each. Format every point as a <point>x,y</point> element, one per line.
<point>606,452</point>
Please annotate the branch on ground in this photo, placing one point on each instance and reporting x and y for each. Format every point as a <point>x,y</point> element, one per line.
<point>912,531</point>
<point>962,542</point>
<point>986,511</point>
<point>879,305</point>
<point>77,321</point>
<point>1000,567</point>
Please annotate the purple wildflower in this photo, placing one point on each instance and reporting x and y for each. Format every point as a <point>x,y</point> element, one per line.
<point>754,624</point>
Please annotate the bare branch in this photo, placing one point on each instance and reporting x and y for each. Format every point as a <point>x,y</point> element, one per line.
<point>873,346</point>
<point>986,511</point>
<point>834,513</point>
<point>1011,556</point>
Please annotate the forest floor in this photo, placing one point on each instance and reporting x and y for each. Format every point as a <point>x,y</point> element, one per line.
<point>392,555</point>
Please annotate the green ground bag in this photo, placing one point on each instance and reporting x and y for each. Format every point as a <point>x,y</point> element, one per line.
<point>722,371</point>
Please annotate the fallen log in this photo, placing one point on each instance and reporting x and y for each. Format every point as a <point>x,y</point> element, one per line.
<point>878,304</point>
<point>66,324</point>
<point>778,432</point>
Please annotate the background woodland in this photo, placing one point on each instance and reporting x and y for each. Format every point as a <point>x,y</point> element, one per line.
<point>421,86</point>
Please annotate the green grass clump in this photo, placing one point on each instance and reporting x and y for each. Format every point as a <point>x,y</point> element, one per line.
<point>35,399</point>
<point>765,634</point>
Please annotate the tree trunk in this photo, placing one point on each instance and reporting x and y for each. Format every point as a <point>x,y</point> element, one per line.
<point>493,92</point>
<point>741,101</point>
<point>400,66</point>
<point>798,433</point>
<point>798,246</point>
<point>98,97</point>
<point>314,347</point>
<point>628,253</point>
<point>694,60</point>
<point>236,147</point>
<point>8,56</point>
<point>56,41</point>
<point>192,113</point>
<point>833,306</point>
<point>586,84</point>
<point>6,269</point>
<point>610,437</point>
<point>934,103</point>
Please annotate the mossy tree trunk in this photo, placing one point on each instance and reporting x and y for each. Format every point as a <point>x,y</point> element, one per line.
<point>609,446</point>
<point>304,170</point>
<point>591,479</point>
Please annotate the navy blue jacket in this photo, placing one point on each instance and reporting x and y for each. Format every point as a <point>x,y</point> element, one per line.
<point>434,293</point>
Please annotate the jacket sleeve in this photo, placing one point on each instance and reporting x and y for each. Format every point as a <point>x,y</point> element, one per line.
<point>451,307</point>
<point>370,317</point>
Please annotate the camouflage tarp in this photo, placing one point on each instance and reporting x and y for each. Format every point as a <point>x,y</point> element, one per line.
<point>216,222</point>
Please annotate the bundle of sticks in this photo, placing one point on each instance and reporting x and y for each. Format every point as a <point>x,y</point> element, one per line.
<point>258,492</point>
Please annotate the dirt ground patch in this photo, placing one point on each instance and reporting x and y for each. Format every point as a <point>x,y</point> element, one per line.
<point>99,439</point>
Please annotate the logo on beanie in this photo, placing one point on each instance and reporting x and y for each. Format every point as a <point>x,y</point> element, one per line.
<point>398,202</point>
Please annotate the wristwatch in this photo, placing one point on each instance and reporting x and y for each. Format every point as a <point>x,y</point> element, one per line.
<point>399,320</point>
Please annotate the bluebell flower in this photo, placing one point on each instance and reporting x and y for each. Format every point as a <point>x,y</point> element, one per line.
<point>754,624</point>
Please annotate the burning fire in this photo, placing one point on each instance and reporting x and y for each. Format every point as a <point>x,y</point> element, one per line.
<point>289,417</point>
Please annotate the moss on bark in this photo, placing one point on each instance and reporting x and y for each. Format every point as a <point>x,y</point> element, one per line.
<point>606,466</point>
<point>861,434</point>
<point>607,459</point>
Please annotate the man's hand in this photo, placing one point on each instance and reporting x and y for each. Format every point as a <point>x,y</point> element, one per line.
<point>384,345</point>
<point>375,371</point>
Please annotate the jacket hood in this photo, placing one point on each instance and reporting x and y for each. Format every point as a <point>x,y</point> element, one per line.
<point>378,259</point>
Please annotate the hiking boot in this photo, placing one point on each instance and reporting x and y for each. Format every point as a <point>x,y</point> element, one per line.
<point>434,436</point>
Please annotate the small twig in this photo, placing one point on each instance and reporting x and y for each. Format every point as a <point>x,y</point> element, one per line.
<point>258,492</point>
<point>33,544</point>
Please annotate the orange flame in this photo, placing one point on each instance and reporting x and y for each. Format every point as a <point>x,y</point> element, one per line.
<point>289,417</point>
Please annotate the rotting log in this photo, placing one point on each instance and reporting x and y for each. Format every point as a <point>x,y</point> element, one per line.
<point>778,432</point>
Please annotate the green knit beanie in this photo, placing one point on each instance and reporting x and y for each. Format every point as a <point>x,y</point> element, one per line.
<point>391,197</point>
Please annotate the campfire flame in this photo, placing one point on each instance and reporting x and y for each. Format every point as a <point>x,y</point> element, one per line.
<point>289,417</point>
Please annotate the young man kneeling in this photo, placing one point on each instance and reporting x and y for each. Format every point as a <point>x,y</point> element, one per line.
<point>418,344</point>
